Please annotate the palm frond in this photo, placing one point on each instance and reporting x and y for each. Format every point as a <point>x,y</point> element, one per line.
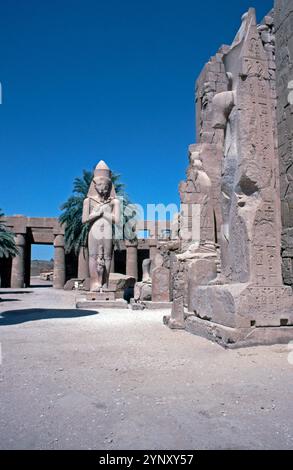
<point>7,242</point>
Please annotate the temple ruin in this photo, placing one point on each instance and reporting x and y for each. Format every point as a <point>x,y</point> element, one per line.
<point>234,283</point>
<point>15,272</point>
<point>226,269</point>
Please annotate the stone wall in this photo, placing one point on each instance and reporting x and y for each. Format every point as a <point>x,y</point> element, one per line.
<point>284,66</point>
<point>239,140</point>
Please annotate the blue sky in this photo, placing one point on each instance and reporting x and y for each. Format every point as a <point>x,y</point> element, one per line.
<point>84,80</point>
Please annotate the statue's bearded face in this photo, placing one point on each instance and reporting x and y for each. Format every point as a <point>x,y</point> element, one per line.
<point>103,186</point>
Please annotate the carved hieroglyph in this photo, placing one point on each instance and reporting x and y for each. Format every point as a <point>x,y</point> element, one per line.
<point>284,81</point>
<point>251,225</point>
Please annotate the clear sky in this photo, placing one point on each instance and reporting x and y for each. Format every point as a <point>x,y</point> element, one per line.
<point>84,80</point>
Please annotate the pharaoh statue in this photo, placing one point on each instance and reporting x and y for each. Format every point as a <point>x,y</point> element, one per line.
<point>101,209</point>
<point>196,256</point>
<point>196,192</point>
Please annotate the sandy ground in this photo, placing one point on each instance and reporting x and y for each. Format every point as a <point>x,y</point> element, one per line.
<point>117,379</point>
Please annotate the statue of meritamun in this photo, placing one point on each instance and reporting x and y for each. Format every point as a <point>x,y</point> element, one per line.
<point>101,209</point>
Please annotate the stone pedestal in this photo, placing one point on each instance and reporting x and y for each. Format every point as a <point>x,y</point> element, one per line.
<point>150,305</point>
<point>238,337</point>
<point>100,296</point>
<point>105,299</point>
<point>112,297</point>
<point>18,263</point>
<point>59,262</point>
<point>131,259</point>
<point>243,305</point>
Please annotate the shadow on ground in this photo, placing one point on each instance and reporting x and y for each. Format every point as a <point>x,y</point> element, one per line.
<point>14,292</point>
<point>14,317</point>
<point>40,286</point>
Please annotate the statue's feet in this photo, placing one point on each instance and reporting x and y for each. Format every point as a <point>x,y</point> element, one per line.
<point>95,286</point>
<point>105,288</point>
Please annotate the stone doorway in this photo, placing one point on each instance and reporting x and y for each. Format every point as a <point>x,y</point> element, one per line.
<point>41,265</point>
<point>34,231</point>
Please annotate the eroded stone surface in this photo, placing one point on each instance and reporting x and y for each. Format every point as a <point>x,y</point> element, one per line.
<point>236,118</point>
<point>143,289</point>
<point>284,65</point>
<point>161,284</point>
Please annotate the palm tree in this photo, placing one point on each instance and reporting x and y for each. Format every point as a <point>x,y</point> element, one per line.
<point>7,242</point>
<point>76,233</point>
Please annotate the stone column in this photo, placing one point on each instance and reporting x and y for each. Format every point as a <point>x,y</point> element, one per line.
<point>59,262</point>
<point>153,252</point>
<point>27,264</point>
<point>83,263</point>
<point>18,263</point>
<point>131,259</point>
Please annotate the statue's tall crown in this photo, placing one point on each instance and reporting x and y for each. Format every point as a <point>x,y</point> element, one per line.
<point>102,169</point>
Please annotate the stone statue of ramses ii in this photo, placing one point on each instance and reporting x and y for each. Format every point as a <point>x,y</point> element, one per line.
<point>101,209</point>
